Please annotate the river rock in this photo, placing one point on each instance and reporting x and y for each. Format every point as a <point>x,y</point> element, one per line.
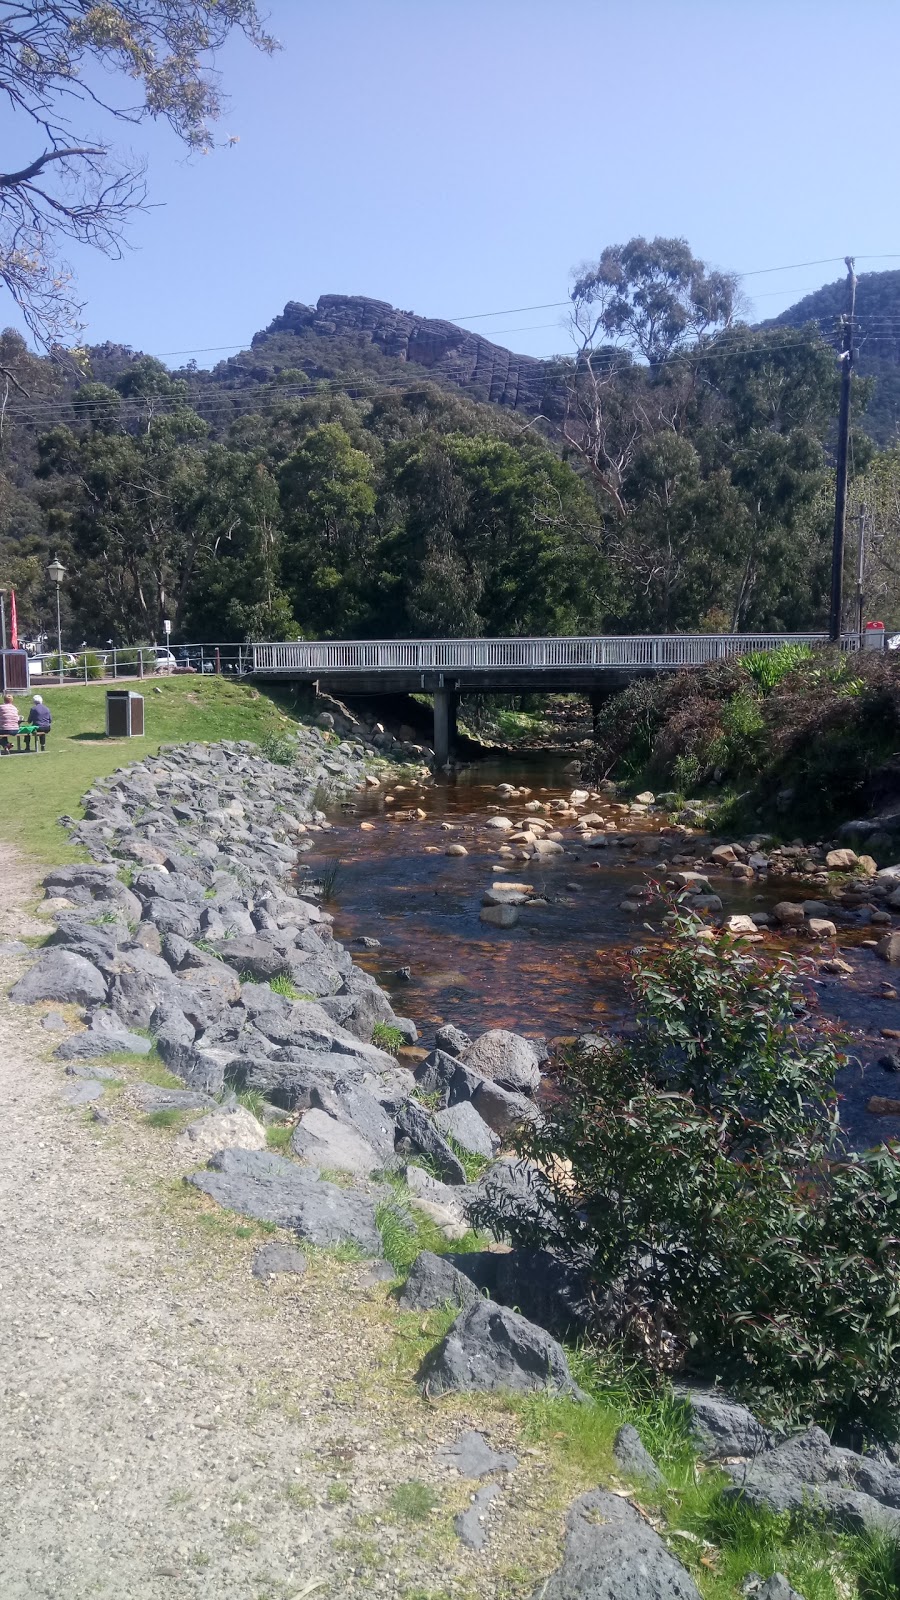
<point>723,1427</point>
<point>635,1460</point>
<point>490,1348</point>
<point>270,1188</point>
<point>851,1491</point>
<point>789,914</point>
<point>501,916</point>
<point>505,1058</point>
<point>471,1524</point>
<point>415,1125</point>
<point>502,1109</point>
<point>888,948</point>
<point>456,850</point>
<point>544,1287</point>
<point>451,1039</point>
<point>500,824</point>
<point>322,1141</point>
<point>473,1457</point>
<point>60,975</point>
<point>840,860</point>
<point>611,1553</point>
<point>271,1260</point>
<point>462,1123</point>
<point>231,1128</point>
<point>434,1282</point>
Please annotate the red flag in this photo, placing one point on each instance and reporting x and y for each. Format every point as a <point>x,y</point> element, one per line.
<point>13,622</point>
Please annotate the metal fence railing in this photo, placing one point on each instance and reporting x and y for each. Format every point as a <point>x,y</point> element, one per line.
<point>336,657</point>
<point>404,655</point>
<point>104,663</point>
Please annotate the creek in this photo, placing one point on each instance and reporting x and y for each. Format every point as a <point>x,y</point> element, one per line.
<point>561,971</point>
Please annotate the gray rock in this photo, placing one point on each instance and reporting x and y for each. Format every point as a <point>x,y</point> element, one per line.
<point>851,1491</point>
<point>258,1184</point>
<point>546,1288</point>
<point>452,1039</point>
<point>322,1141</point>
<point>362,1112</point>
<point>514,1196</point>
<point>463,1124</point>
<point>416,1126</point>
<point>151,1097</point>
<point>473,1457</point>
<point>60,975</point>
<point>777,1588</point>
<point>491,1348</point>
<point>611,1553</point>
<point>93,1074</point>
<point>630,1454</point>
<point>272,1259</point>
<point>505,1058</point>
<point>436,1075</point>
<point>54,1022</point>
<point>82,1091</point>
<point>722,1427</point>
<point>502,1109</point>
<point>471,1524</point>
<point>98,1041</point>
<point>434,1282</point>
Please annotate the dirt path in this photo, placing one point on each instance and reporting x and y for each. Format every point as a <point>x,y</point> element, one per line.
<point>171,1426</point>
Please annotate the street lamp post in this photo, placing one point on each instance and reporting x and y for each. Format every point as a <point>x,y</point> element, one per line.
<point>57,572</point>
<point>3,593</point>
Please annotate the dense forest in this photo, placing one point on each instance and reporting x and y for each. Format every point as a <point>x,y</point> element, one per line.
<point>673,474</point>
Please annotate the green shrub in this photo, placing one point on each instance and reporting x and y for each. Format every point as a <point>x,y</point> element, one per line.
<point>88,666</point>
<point>275,747</point>
<point>767,668</point>
<point>709,1188</point>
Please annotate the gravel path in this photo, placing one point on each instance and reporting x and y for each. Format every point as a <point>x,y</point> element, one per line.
<point>170,1426</point>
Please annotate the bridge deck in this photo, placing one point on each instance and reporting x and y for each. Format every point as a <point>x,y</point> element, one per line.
<point>576,662</point>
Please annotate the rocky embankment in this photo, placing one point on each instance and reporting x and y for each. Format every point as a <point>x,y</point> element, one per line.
<point>195,933</point>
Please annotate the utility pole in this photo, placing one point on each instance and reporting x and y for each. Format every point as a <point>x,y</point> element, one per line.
<point>860,569</point>
<point>843,451</point>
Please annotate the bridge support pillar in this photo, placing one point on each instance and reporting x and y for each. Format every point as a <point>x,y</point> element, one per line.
<point>445,704</point>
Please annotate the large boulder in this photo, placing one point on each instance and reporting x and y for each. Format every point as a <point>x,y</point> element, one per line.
<point>416,1126</point>
<point>463,1124</point>
<point>505,1058</point>
<point>543,1286</point>
<point>434,1282</point>
<point>722,1427</point>
<point>60,975</point>
<point>491,1348</point>
<point>322,1141</point>
<point>611,1553</point>
<point>632,1456</point>
<point>809,1474</point>
<point>270,1188</point>
<point>231,1128</point>
<point>363,1112</point>
<point>502,1109</point>
<point>513,1197</point>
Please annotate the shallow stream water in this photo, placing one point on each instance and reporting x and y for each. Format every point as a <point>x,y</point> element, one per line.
<point>561,970</point>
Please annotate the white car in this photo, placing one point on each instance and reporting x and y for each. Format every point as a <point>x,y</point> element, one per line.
<point>165,661</point>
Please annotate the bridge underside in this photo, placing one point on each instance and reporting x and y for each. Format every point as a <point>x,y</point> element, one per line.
<point>493,680</point>
<point>446,687</point>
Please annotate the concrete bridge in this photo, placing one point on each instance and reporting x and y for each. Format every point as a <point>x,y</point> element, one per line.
<point>446,668</point>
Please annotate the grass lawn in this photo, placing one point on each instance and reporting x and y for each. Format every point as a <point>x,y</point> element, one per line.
<point>36,789</point>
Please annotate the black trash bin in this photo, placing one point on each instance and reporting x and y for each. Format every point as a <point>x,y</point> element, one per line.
<point>124,714</point>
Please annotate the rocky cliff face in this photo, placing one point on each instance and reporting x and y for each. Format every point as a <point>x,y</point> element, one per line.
<point>453,355</point>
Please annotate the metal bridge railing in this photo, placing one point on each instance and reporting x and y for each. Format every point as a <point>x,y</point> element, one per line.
<point>428,655</point>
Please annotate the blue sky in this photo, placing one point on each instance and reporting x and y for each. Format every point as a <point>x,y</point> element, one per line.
<point>461,156</point>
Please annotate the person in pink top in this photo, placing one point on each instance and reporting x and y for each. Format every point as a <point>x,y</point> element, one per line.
<point>9,723</point>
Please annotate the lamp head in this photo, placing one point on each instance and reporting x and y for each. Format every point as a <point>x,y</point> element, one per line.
<point>56,570</point>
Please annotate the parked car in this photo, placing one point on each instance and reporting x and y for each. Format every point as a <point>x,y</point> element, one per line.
<point>164,660</point>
